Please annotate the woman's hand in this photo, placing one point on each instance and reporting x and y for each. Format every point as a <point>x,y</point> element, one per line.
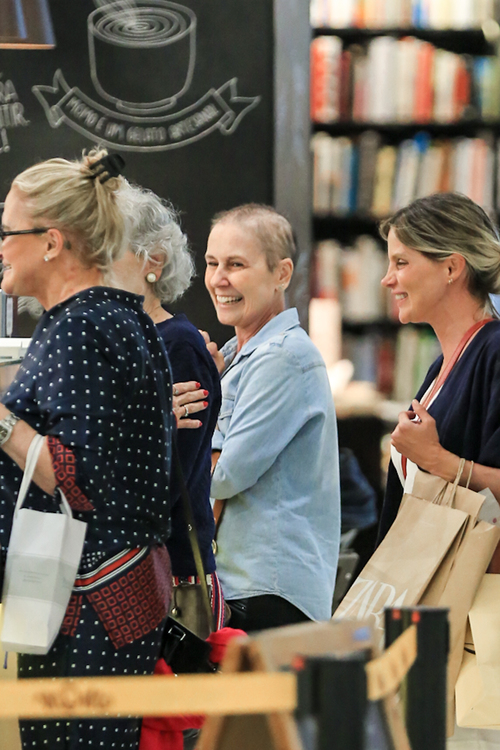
<point>418,440</point>
<point>214,351</point>
<point>416,437</point>
<point>188,399</point>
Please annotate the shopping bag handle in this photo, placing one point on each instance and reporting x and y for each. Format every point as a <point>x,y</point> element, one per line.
<point>446,496</point>
<point>32,457</point>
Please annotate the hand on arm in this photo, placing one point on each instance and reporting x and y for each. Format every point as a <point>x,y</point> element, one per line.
<point>418,440</point>
<point>190,395</point>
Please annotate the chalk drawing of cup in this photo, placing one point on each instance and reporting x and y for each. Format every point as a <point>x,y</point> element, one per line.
<point>142,53</point>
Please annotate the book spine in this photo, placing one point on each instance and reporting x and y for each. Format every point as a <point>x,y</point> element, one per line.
<point>326,54</point>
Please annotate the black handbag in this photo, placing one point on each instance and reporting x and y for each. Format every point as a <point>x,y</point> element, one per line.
<point>184,651</point>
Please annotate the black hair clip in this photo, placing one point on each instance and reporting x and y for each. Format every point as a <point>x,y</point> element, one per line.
<point>107,167</point>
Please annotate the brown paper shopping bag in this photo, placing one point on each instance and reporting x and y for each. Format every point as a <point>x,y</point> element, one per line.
<point>402,567</point>
<point>463,583</point>
<point>437,490</point>
<point>478,684</point>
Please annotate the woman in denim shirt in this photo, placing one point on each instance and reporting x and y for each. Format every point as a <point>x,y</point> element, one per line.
<point>275,450</point>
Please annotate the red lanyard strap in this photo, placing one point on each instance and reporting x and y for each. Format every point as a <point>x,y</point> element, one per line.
<point>456,355</point>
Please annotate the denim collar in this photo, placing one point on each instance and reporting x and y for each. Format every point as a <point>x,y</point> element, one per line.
<point>282,322</point>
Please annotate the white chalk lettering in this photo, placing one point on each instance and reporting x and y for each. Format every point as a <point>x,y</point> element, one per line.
<point>12,115</point>
<point>17,114</point>
<point>5,142</point>
<point>100,124</point>
<point>193,123</point>
<point>8,92</point>
<point>115,130</point>
<point>11,112</point>
<point>146,136</point>
<point>5,119</point>
<point>82,112</point>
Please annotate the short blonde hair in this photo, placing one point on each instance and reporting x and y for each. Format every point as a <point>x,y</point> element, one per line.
<point>445,223</point>
<point>155,234</point>
<point>272,229</point>
<point>68,196</point>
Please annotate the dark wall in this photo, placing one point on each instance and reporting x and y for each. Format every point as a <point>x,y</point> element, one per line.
<point>212,149</point>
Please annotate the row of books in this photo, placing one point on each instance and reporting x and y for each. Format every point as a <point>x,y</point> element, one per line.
<point>368,177</point>
<point>438,14</point>
<point>396,364</point>
<point>400,80</point>
<point>352,275</point>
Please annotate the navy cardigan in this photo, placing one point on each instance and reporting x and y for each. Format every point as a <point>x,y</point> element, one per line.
<point>190,360</point>
<point>467,411</point>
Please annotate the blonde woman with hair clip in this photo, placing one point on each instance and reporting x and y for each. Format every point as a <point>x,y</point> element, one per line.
<point>95,381</point>
<point>444,263</point>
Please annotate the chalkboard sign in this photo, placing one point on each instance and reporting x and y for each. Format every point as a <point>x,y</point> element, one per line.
<point>184,91</point>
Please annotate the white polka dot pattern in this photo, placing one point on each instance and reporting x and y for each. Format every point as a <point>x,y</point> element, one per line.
<point>97,377</point>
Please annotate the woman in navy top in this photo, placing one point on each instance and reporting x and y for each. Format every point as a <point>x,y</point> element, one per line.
<point>444,262</point>
<point>160,268</point>
<point>95,381</point>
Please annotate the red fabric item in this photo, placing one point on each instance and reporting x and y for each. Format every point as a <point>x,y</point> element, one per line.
<point>219,641</point>
<point>165,732</point>
<point>135,603</point>
<point>64,465</point>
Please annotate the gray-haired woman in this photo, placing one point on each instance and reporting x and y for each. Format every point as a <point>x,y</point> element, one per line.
<point>159,266</point>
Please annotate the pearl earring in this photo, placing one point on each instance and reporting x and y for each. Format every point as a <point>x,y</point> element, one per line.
<point>151,277</point>
<point>450,281</point>
<point>46,258</point>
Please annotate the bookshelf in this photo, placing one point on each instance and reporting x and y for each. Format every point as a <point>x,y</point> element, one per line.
<point>399,130</point>
<point>472,40</point>
<point>436,130</point>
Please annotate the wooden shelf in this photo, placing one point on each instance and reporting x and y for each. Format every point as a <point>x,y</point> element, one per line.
<point>344,228</point>
<point>455,40</point>
<point>400,130</point>
<point>380,325</point>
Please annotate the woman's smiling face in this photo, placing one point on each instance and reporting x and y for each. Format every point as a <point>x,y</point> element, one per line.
<point>418,284</point>
<point>21,255</point>
<point>245,292</point>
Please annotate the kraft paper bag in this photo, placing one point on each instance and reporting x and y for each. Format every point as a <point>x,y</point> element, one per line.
<point>437,490</point>
<point>478,686</point>
<point>404,564</point>
<point>461,588</point>
<point>42,562</point>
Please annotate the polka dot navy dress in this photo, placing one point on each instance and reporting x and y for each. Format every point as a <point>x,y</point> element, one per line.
<point>96,381</point>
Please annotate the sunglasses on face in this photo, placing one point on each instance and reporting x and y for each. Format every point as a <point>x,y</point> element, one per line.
<point>8,233</point>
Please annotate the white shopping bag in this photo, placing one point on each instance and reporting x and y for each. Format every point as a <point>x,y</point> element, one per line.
<point>42,562</point>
